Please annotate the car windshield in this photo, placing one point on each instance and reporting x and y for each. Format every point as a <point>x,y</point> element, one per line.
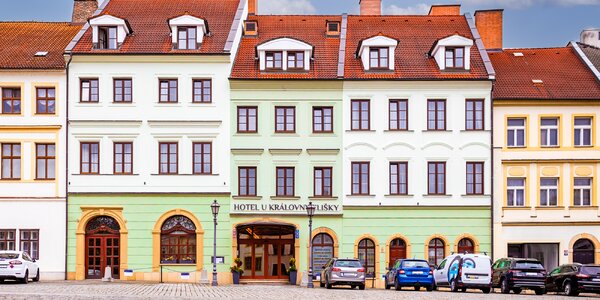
<point>415,264</point>
<point>4,256</point>
<point>590,270</point>
<point>528,265</point>
<point>347,264</point>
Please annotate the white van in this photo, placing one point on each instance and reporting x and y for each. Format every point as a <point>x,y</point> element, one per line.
<point>465,271</point>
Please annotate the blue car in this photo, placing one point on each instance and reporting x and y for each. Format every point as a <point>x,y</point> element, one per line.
<point>414,273</point>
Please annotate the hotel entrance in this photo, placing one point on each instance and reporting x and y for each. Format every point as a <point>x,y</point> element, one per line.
<point>265,250</point>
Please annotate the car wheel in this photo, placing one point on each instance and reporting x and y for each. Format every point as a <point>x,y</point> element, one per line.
<point>361,287</point>
<point>517,291</point>
<point>540,291</point>
<point>397,286</point>
<point>327,284</point>
<point>569,289</point>
<point>453,287</point>
<point>25,279</point>
<point>430,288</point>
<point>417,288</point>
<point>486,290</point>
<point>504,287</point>
<point>37,276</point>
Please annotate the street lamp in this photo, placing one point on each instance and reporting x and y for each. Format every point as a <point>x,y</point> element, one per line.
<point>310,210</point>
<point>215,211</point>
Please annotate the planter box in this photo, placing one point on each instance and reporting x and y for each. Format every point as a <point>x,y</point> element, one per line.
<point>236,277</point>
<point>293,277</point>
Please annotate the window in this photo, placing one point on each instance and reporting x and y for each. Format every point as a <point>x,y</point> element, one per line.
<point>46,101</point>
<point>379,58</point>
<point>549,132</point>
<point>582,192</point>
<point>168,161</point>
<point>515,192</point>
<point>436,114</point>
<point>202,91</point>
<point>186,38</point>
<point>398,178</point>
<point>29,241</point>
<point>250,28</point>
<point>285,181</point>
<point>333,28</point>
<point>322,119</point>
<point>7,239</point>
<point>583,253</point>
<point>360,178</point>
<point>11,161</point>
<point>90,158</point>
<point>583,132</point>
<point>247,118</point>
<point>436,178</point>
<point>436,251</point>
<point>474,115</point>
<point>295,60</point>
<point>11,101</point>
<point>360,115</point>
<point>247,181</point>
<point>285,119</point>
<point>168,90</point>
<point>202,158</point>
<point>516,132</point>
<point>122,90</point>
<point>322,250</point>
<point>123,161</point>
<point>323,182</point>
<point>274,60</point>
<point>398,115</point>
<point>474,178</point>
<point>45,160</point>
<point>89,90</point>
<point>455,58</point>
<point>178,241</point>
<point>466,246</point>
<point>548,191</point>
<point>107,38</point>
<point>366,255</point>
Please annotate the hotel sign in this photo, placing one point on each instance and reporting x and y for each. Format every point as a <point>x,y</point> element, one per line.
<point>284,208</point>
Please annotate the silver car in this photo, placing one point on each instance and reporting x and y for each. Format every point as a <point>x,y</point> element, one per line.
<point>339,271</point>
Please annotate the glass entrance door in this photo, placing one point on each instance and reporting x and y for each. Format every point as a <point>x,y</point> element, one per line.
<point>265,251</point>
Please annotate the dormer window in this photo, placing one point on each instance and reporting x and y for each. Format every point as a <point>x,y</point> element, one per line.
<point>377,53</point>
<point>455,58</point>
<point>186,38</point>
<point>333,28</point>
<point>284,54</point>
<point>295,60</point>
<point>250,28</point>
<point>187,32</point>
<point>107,37</point>
<point>379,58</point>
<point>274,60</point>
<point>452,53</point>
<point>109,32</point>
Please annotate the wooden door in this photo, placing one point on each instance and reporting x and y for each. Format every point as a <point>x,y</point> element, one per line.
<point>102,251</point>
<point>397,251</point>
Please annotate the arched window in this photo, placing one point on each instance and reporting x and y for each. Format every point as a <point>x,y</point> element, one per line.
<point>322,250</point>
<point>583,252</point>
<point>366,255</point>
<point>436,251</point>
<point>397,250</point>
<point>178,241</point>
<point>466,246</point>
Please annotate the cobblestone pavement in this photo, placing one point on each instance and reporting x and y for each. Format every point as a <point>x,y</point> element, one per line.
<point>125,290</point>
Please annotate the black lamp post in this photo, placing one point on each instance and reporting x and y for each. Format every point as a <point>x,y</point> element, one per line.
<point>215,211</point>
<point>310,210</point>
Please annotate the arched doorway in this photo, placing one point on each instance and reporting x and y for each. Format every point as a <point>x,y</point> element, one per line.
<point>366,255</point>
<point>322,250</point>
<point>436,251</point>
<point>466,246</point>
<point>102,248</point>
<point>397,250</point>
<point>583,252</point>
<point>265,250</point>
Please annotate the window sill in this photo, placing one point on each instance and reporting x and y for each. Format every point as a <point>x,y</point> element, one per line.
<point>359,130</point>
<point>285,134</point>
<point>175,265</point>
<point>434,131</point>
<point>583,147</point>
<point>516,208</point>
<point>322,198</point>
<point>168,104</point>
<point>360,196</point>
<point>400,196</point>
<point>476,130</point>
<point>285,198</point>
<point>247,197</point>
<point>475,195</point>
<point>179,174</point>
<point>398,131</point>
<point>315,134</point>
<point>515,147</point>
<point>436,196</point>
<point>246,134</point>
<point>583,207</point>
<point>550,147</point>
<point>550,207</point>
<point>110,174</point>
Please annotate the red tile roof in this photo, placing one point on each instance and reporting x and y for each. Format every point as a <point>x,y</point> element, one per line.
<point>151,32</point>
<point>309,29</point>
<point>416,34</point>
<point>562,72</point>
<point>20,41</point>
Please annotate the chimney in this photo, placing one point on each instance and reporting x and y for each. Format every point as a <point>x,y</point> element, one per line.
<point>445,10</point>
<point>252,7</point>
<point>83,10</point>
<point>591,37</point>
<point>489,25</point>
<point>370,7</point>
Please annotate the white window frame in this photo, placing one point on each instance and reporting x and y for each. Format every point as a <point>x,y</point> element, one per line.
<point>548,131</point>
<point>514,190</point>
<point>514,130</point>
<point>547,189</point>
<point>580,130</point>
<point>579,190</point>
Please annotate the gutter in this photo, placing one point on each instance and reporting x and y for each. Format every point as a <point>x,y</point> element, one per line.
<point>67,170</point>
<point>342,52</point>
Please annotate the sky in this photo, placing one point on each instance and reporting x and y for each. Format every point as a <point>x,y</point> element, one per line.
<point>527,23</point>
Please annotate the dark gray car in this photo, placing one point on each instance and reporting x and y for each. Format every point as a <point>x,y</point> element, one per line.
<point>343,272</point>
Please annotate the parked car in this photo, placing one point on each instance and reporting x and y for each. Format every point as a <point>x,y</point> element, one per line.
<point>18,265</point>
<point>573,279</point>
<point>465,271</point>
<point>414,273</point>
<point>343,272</point>
<point>516,274</point>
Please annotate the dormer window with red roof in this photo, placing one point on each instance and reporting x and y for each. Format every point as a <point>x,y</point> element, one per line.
<point>284,54</point>
<point>295,60</point>
<point>377,53</point>
<point>452,53</point>
<point>250,28</point>
<point>333,28</point>
<point>187,32</point>
<point>107,37</point>
<point>274,60</point>
<point>186,38</point>
<point>455,57</point>
<point>109,32</point>
<point>379,58</point>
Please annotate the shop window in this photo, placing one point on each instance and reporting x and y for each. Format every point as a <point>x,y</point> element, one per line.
<point>178,241</point>
<point>436,251</point>
<point>397,250</point>
<point>466,246</point>
<point>30,242</point>
<point>322,250</point>
<point>583,252</point>
<point>366,255</point>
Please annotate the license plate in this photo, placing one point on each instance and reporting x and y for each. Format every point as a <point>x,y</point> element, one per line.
<point>531,274</point>
<point>418,272</point>
<point>2,267</point>
<point>472,277</point>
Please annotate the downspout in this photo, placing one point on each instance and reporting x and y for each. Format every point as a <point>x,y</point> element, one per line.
<point>492,206</point>
<point>67,172</point>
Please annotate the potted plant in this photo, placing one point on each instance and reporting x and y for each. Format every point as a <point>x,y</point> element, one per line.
<point>168,260</point>
<point>293,271</point>
<point>236,270</point>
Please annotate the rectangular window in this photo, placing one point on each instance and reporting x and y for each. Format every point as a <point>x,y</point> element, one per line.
<point>548,191</point>
<point>515,192</point>
<point>274,60</point>
<point>436,178</point>
<point>285,119</point>
<point>360,178</point>
<point>90,158</point>
<point>107,38</point>
<point>285,181</point>
<point>398,178</point>
<point>202,158</point>
<point>474,178</point>
<point>186,38</point>
<point>123,162</point>
<point>516,132</point>
<point>11,101</point>
<point>11,161</point>
<point>29,240</point>
<point>583,132</point>
<point>295,60</point>
<point>168,91</point>
<point>322,119</point>
<point>7,239</point>
<point>202,91</point>
<point>474,115</point>
<point>323,182</point>
<point>333,28</point>
<point>247,119</point>
<point>361,115</point>
<point>379,58</point>
<point>89,90</point>
<point>398,115</point>
<point>247,181</point>
<point>582,192</point>
<point>549,132</point>
<point>168,160</point>
<point>455,58</point>
<point>436,114</point>
<point>45,160</point>
<point>122,92</point>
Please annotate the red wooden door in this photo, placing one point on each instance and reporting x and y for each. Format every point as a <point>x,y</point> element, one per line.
<point>397,251</point>
<point>94,258</point>
<point>102,251</point>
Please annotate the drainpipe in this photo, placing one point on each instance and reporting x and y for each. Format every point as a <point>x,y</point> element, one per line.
<point>492,173</point>
<point>67,171</point>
